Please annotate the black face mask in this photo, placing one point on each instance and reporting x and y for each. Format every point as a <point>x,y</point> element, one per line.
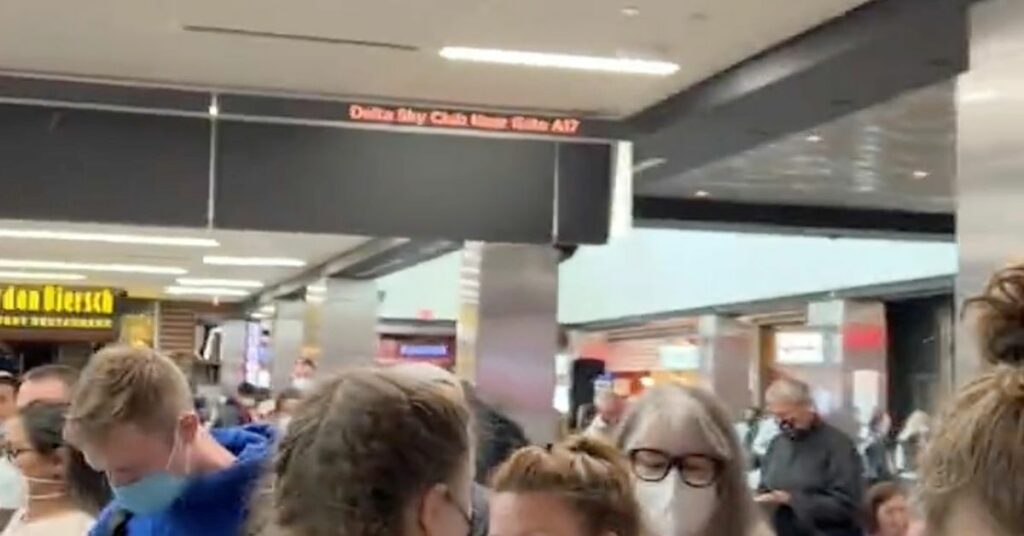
<point>787,427</point>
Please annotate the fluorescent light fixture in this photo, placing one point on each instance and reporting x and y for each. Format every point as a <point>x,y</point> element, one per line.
<point>205,291</point>
<point>560,61</point>
<point>282,262</point>
<point>214,110</point>
<point>92,267</point>
<point>702,194</point>
<point>268,309</point>
<point>649,163</point>
<point>813,138</point>
<point>110,238</point>
<point>226,283</point>
<point>43,276</point>
<point>920,174</point>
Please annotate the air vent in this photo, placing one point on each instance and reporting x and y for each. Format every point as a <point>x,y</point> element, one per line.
<point>242,32</point>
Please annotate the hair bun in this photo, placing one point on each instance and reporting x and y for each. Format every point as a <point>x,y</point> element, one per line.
<point>1000,319</point>
<point>589,446</point>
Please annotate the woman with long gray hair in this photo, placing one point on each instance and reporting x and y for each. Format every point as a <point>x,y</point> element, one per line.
<point>689,469</point>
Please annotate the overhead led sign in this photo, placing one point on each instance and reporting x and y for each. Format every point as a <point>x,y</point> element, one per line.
<point>56,306</point>
<point>488,122</point>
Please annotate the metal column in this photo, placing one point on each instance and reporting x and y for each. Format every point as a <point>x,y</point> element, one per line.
<point>990,157</point>
<point>508,331</point>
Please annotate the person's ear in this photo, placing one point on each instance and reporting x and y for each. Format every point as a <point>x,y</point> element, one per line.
<point>431,511</point>
<point>188,427</point>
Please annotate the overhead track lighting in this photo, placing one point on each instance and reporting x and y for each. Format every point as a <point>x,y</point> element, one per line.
<point>41,276</point>
<point>212,282</point>
<point>269,262</point>
<point>560,61</point>
<point>205,291</point>
<point>92,267</point>
<point>110,238</point>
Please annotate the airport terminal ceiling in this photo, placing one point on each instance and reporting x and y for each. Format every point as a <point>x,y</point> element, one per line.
<point>187,262</point>
<point>388,49</point>
<point>898,155</point>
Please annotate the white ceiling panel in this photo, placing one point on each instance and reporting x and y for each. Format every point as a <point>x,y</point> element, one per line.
<point>147,41</point>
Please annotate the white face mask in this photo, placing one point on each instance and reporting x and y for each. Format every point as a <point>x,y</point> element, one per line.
<point>302,384</point>
<point>673,508</point>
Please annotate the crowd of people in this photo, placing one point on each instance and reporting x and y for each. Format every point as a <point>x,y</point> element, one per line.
<point>122,449</point>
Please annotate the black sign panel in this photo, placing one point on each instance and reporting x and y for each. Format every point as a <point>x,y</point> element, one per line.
<point>379,183</point>
<point>91,166</point>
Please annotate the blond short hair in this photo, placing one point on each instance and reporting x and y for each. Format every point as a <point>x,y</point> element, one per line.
<point>127,385</point>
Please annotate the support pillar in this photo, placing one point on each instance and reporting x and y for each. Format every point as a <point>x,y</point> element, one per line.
<point>729,360</point>
<point>508,331</point>
<point>848,380</point>
<point>347,325</point>
<point>990,158</point>
<point>287,339</point>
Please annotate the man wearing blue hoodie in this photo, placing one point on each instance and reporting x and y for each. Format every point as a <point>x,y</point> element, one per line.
<point>133,417</point>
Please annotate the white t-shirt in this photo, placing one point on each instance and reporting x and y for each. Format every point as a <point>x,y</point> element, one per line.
<point>73,523</point>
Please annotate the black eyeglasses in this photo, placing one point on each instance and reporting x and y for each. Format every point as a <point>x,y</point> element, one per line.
<point>11,452</point>
<point>696,470</point>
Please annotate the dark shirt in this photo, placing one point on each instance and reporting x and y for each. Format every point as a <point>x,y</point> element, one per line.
<point>821,470</point>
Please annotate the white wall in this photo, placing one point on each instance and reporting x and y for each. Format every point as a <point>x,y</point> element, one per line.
<point>651,271</point>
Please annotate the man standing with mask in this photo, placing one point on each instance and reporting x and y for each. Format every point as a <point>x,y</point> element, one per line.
<point>133,417</point>
<point>811,474</point>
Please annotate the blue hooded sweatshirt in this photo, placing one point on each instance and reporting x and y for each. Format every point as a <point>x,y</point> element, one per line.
<point>212,504</point>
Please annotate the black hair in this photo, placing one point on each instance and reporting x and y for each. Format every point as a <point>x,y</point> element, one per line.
<point>43,422</point>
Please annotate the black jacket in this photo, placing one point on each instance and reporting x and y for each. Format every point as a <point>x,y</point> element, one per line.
<point>821,470</point>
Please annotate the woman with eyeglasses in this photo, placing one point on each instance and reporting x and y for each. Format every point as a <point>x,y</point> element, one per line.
<point>688,468</point>
<point>63,492</point>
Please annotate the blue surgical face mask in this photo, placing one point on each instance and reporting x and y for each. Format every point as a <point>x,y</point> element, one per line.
<point>154,492</point>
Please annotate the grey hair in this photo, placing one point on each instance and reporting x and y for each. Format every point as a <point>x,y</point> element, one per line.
<point>735,514</point>
<point>789,390</point>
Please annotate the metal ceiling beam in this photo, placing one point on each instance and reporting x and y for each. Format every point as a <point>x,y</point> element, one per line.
<point>872,54</point>
<point>791,219</point>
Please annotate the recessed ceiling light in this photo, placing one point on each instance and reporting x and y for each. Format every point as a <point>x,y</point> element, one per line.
<point>282,262</point>
<point>560,61</point>
<point>92,267</point>
<point>110,238</point>
<point>43,276</point>
<point>204,291</point>
<point>813,138</point>
<point>211,282</point>
<point>702,194</point>
<point>631,11</point>
<point>920,174</point>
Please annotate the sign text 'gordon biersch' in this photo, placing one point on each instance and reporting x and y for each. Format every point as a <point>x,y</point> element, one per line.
<point>429,117</point>
<point>56,306</point>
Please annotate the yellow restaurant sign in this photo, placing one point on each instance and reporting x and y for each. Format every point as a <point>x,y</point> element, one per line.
<point>56,306</point>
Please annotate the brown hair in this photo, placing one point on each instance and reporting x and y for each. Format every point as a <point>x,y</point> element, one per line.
<point>591,475</point>
<point>359,448</point>
<point>976,452</point>
<point>736,514</point>
<point>127,385</point>
<point>63,373</point>
<point>875,497</point>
